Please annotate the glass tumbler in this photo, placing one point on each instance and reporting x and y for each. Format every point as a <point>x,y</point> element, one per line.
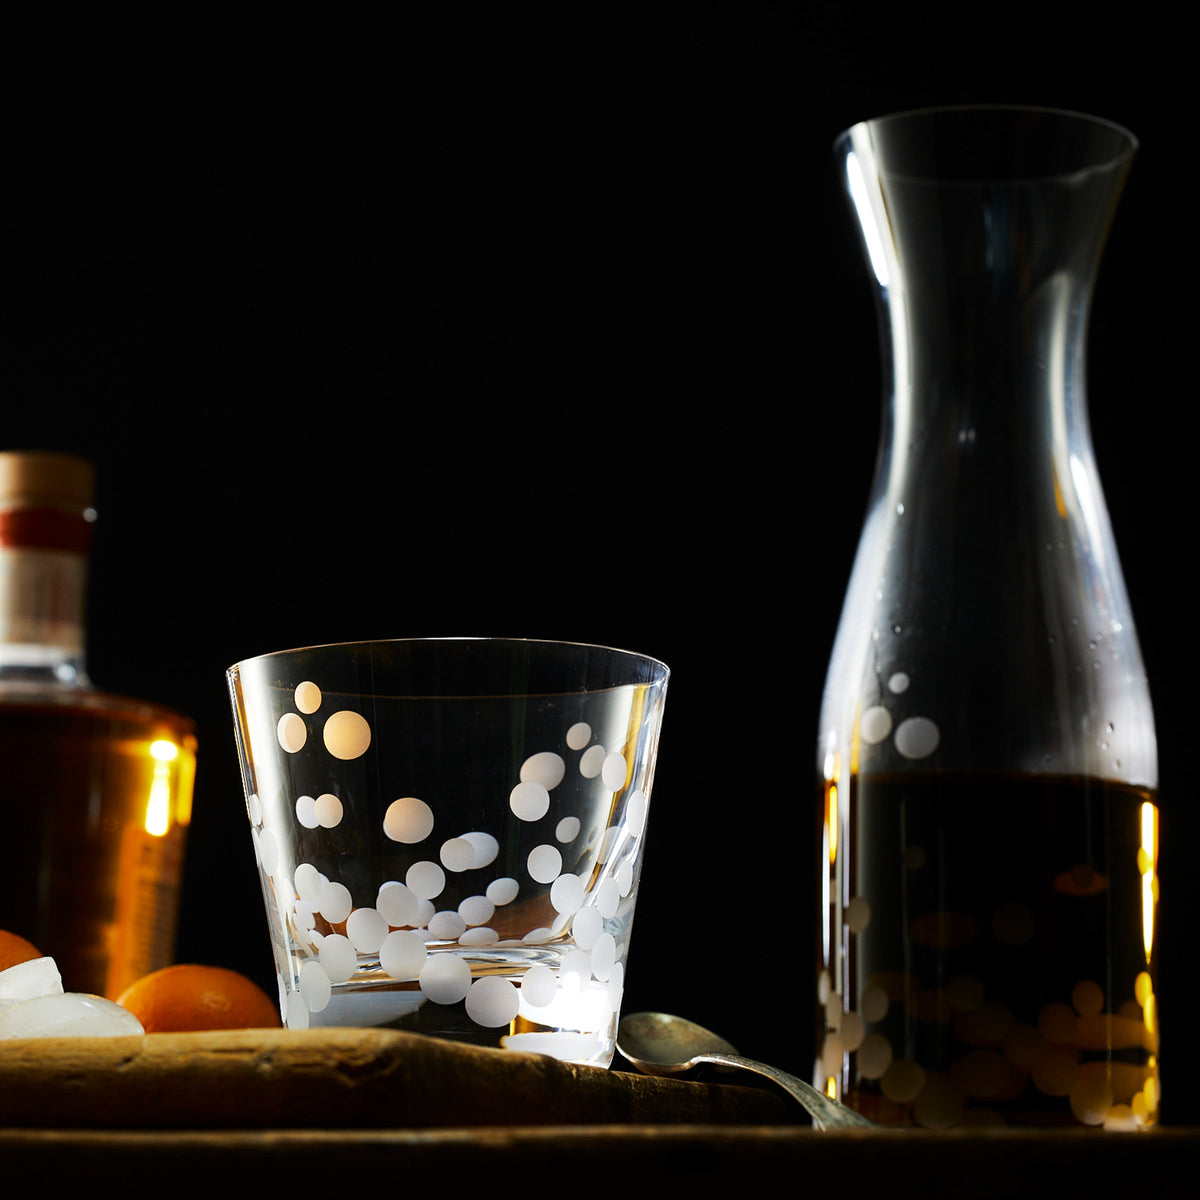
<point>449,833</point>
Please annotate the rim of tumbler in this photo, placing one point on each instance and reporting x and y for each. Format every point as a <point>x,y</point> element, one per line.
<point>663,671</point>
<point>1122,155</point>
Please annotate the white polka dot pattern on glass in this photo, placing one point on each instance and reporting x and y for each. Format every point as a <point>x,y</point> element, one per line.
<point>546,768</point>
<point>337,957</point>
<point>875,725</point>
<point>635,814</point>
<point>613,771</point>
<point>480,935</point>
<point>591,762</point>
<point>408,820</point>
<point>566,893</point>
<point>402,954</point>
<point>327,809</point>
<point>604,956</point>
<point>502,891</point>
<point>425,880</point>
<point>530,800</point>
<point>314,985</point>
<point>538,986</point>
<point>608,898</point>
<point>347,735</point>
<point>457,855</point>
<point>308,881</point>
<point>292,733</point>
<point>567,865</point>
<point>334,902</point>
<point>544,863</point>
<point>858,914</point>
<point>587,925</point>
<point>917,737</point>
<point>445,978</point>
<point>397,904</point>
<point>306,812</point>
<point>874,1056</point>
<point>492,1002</point>
<point>366,928</point>
<point>486,848</point>
<point>476,910</point>
<point>268,851</point>
<point>446,926</point>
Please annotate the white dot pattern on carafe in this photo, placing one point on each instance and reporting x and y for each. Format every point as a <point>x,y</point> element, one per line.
<point>407,931</point>
<point>914,738</point>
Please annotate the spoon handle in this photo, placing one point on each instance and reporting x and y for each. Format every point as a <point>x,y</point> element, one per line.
<point>825,1112</point>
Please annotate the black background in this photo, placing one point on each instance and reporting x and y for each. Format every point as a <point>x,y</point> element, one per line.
<point>529,327</point>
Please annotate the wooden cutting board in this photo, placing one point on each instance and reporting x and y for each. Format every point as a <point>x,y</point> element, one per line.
<point>338,1079</point>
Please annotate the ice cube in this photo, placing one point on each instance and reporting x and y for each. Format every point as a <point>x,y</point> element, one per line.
<point>67,1014</point>
<point>37,977</point>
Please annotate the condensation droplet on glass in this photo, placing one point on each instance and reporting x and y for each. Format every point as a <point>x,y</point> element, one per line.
<point>900,509</point>
<point>895,628</point>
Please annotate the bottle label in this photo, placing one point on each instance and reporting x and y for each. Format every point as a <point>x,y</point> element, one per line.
<point>42,598</point>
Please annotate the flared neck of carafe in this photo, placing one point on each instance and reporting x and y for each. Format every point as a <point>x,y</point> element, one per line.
<point>983,229</point>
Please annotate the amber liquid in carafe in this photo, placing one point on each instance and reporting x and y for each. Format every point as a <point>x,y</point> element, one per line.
<point>989,950</point>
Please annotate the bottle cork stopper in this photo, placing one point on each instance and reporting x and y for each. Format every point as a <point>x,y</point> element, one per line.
<point>37,477</point>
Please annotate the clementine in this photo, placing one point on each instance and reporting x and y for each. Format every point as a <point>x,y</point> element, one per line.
<point>191,996</point>
<point>15,949</point>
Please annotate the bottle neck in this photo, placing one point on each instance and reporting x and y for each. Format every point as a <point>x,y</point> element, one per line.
<point>43,595</point>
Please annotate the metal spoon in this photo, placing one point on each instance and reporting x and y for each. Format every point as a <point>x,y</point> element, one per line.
<point>660,1044</point>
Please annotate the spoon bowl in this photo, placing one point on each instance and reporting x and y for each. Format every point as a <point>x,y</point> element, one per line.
<point>662,1044</point>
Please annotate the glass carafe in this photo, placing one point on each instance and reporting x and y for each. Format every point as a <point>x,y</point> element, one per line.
<point>987,754</point>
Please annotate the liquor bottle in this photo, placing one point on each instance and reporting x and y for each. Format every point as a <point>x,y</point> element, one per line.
<point>95,788</point>
<point>988,773</point>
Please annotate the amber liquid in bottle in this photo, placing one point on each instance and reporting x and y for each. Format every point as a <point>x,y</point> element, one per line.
<point>95,789</point>
<point>96,792</point>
